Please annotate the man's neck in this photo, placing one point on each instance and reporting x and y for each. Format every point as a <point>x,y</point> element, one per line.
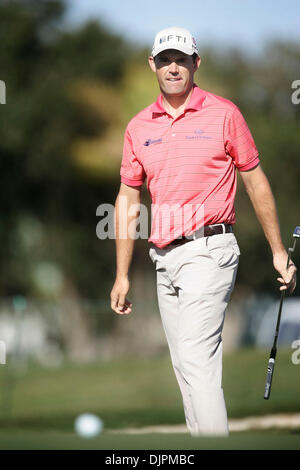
<point>175,105</point>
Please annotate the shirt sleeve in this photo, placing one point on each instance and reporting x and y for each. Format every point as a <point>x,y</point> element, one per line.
<point>132,172</point>
<point>239,143</point>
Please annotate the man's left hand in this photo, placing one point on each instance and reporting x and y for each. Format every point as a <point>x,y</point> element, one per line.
<point>287,276</point>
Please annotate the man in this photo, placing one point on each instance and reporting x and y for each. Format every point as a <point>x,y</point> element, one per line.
<point>188,144</point>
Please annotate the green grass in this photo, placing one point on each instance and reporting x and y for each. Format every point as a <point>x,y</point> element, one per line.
<point>137,392</point>
<point>272,440</point>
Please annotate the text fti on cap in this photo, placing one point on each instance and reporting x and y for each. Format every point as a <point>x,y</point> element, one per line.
<point>174,38</point>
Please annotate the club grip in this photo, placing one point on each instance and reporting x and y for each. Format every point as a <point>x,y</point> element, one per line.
<point>270,371</point>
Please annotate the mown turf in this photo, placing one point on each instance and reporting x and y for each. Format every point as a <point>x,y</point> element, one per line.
<point>272,440</point>
<point>138,392</point>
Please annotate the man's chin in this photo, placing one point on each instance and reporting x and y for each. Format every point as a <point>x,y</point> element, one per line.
<point>174,93</point>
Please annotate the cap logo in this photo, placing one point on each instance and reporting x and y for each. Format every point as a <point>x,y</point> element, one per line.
<point>174,38</point>
<point>170,37</point>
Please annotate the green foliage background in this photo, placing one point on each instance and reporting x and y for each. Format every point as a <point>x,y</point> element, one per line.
<point>70,94</point>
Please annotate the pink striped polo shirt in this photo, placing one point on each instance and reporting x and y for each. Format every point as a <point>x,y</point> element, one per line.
<point>189,162</point>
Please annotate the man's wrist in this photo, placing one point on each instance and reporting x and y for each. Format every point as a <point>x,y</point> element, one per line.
<point>278,248</point>
<point>120,276</point>
<point>279,252</point>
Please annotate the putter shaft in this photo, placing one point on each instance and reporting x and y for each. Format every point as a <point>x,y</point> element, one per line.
<point>271,363</point>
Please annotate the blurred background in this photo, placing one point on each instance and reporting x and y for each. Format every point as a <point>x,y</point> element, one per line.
<point>75,73</point>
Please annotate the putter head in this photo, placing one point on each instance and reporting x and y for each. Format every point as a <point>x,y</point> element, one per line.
<point>296,233</point>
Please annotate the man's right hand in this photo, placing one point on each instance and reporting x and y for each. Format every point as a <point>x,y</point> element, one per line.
<point>119,303</point>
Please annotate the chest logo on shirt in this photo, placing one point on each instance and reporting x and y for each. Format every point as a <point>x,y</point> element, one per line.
<point>154,141</point>
<point>198,134</point>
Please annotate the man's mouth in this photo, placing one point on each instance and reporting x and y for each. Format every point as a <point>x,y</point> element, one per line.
<point>173,79</point>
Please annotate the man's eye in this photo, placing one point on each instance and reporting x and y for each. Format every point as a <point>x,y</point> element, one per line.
<point>166,61</point>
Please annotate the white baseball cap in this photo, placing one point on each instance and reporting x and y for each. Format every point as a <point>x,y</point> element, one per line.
<point>174,38</point>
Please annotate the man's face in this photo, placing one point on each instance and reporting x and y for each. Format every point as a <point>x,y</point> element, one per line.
<point>174,71</point>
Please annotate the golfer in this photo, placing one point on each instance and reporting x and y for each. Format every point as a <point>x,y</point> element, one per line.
<point>189,144</point>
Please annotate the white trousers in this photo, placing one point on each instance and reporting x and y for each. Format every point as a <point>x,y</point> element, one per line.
<point>194,284</point>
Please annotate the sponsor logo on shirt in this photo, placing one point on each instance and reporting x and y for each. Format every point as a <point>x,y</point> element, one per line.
<point>199,135</point>
<point>154,141</point>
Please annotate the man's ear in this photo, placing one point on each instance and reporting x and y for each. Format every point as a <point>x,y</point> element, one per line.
<point>152,63</point>
<point>197,63</point>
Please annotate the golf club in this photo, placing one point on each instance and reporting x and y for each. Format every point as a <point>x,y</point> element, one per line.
<point>271,363</point>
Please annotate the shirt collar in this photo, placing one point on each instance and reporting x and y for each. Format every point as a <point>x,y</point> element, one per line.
<point>195,102</point>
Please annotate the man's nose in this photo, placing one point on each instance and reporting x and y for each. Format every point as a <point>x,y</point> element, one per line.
<point>173,68</point>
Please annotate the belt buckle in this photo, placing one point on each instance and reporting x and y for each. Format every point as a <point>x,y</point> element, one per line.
<point>194,237</point>
<point>222,225</point>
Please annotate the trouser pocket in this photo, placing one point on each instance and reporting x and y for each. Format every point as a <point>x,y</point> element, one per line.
<point>223,249</point>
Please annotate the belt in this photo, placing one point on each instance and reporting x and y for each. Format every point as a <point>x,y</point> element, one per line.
<point>206,231</point>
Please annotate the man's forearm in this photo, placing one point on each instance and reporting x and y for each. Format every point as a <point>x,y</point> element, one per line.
<point>126,213</point>
<point>264,205</point>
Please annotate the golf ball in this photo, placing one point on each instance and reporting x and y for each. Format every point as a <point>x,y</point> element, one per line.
<point>88,425</point>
